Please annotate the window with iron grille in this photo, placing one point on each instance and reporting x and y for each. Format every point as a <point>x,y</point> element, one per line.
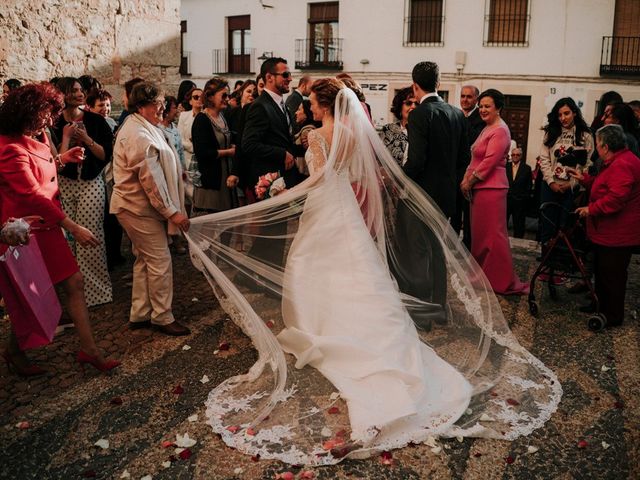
<point>424,23</point>
<point>323,42</point>
<point>506,23</point>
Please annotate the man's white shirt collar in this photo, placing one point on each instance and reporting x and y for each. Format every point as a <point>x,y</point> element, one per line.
<point>472,110</point>
<point>276,98</point>
<point>432,94</point>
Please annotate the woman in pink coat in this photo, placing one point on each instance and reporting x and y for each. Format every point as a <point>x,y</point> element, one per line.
<point>613,219</point>
<point>29,186</point>
<point>485,185</point>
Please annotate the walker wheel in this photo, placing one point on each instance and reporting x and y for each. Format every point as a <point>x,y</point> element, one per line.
<point>533,308</point>
<point>596,323</point>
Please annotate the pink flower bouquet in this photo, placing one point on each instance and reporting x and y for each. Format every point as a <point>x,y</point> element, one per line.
<point>269,185</point>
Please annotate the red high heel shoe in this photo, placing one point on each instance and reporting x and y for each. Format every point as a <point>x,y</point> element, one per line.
<point>104,366</point>
<point>28,370</point>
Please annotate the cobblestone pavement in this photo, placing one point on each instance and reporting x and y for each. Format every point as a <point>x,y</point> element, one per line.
<point>594,434</point>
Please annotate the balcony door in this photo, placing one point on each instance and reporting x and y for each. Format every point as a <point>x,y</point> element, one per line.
<point>239,44</point>
<point>625,48</point>
<point>323,33</point>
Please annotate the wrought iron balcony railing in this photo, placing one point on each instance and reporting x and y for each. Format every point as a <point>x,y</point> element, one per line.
<point>225,60</point>
<point>620,56</point>
<point>319,53</point>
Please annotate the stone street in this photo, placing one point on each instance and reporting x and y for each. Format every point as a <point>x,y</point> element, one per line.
<point>49,424</point>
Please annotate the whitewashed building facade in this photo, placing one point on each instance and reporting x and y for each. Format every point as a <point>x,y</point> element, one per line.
<point>534,51</point>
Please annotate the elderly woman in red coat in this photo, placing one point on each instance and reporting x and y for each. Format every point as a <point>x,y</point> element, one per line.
<point>29,186</point>
<point>613,219</point>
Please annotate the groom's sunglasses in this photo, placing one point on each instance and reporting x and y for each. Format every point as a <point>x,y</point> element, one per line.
<point>285,75</point>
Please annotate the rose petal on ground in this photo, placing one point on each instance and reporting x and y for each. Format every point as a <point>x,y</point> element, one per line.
<point>509,460</point>
<point>224,346</point>
<point>166,464</point>
<point>167,444</point>
<point>204,379</point>
<point>493,394</point>
<point>233,428</point>
<point>341,433</point>
<point>386,458</point>
<point>184,441</point>
<point>270,324</point>
<point>178,390</point>
<point>215,352</point>
<point>255,458</point>
<point>513,402</point>
<point>179,450</point>
<point>477,454</point>
<point>532,449</point>
<point>583,444</point>
<point>116,401</point>
<point>125,474</point>
<point>326,432</point>
<point>186,347</point>
<point>251,431</point>
<point>193,418</point>
<point>285,476</point>
<point>23,425</point>
<point>605,445</point>
<point>185,454</point>
<point>460,439</point>
<point>604,368</point>
<point>486,418</point>
<point>102,443</point>
<point>329,444</point>
<point>333,410</point>
<point>307,474</point>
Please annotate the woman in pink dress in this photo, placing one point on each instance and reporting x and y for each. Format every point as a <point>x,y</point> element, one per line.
<point>485,185</point>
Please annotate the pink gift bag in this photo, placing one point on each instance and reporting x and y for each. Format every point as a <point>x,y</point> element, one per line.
<point>29,295</point>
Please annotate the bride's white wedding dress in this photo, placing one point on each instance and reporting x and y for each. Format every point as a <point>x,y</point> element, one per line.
<point>339,360</point>
<point>344,317</point>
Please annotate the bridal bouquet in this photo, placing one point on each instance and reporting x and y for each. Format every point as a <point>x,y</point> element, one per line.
<point>269,185</point>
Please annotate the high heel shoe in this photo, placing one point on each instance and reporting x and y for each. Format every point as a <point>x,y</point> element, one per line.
<point>28,370</point>
<point>104,365</point>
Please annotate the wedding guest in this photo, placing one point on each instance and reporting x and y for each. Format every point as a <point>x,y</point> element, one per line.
<point>89,83</point>
<point>485,185</point>
<point>567,141</point>
<point>394,135</point>
<point>214,151</point>
<point>259,85</point>
<point>28,186</point>
<point>183,102</point>
<point>99,101</point>
<point>520,183</point>
<point>613,219</point>
<point>635,106</point>
<point>605,99</point>
<point>168,126</point>
<point>299,94</point>
<point>128,87</point>
<point>185,122</point>
<point>241,168</point>
<point>10,84</point>
<point>82,186</point>
<point>622,114</point>
<point>148,199</point>
<point>305,123</point>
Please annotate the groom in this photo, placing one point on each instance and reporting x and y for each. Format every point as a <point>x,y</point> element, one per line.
<point>438,155</point>
<point>267,140</point>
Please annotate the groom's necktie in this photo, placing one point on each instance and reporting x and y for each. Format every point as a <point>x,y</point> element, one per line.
<point>283,107</point>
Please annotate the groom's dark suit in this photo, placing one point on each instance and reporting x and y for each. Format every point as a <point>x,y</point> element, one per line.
<point>266,139</point>
<point>438,156</point>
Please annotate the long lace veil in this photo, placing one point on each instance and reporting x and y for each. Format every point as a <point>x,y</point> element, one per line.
<point>276,410</point>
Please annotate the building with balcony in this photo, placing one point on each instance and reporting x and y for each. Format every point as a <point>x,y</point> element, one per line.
<point>534,51</point>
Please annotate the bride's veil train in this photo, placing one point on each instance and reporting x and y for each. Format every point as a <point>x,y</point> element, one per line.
<point>276,410</point>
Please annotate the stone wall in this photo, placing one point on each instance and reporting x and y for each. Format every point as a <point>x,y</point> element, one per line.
<point>113,40</point>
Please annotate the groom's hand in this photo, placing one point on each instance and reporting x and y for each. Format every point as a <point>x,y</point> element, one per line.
<point>288,161</point>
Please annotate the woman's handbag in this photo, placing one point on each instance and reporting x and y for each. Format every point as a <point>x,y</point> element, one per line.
<point>29,295</point>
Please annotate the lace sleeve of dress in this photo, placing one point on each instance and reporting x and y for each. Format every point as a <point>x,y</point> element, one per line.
<point>316,153</point>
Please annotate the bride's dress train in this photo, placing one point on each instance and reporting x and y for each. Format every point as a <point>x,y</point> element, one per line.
<point>339,358</point>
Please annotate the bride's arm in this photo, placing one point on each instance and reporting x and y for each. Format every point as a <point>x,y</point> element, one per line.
<point>315,156</point>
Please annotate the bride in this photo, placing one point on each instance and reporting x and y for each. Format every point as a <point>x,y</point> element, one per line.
<point>342,371</point>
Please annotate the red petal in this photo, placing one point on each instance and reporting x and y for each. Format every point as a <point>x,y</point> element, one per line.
<point>185,454</point>
<point>509,460</point>
<point>172,458</point>
<point>178,390</point>
<point>513,402</point>
<point>167,444</point>
<point>286,476</point>
<point>493,394</point>
<point>341,433</point>
<point>255,458</point>
<point>233,428</point>
<point>477,454</point>
<point>386,458</point>
<point>251,431</point>
<point>618,404</point>
<point>307,474</point>
<point>116,401</point>
<point>270,324</point>
<point>583,444</point>
<point>24,425</point>
<point>89,474</point>
<point>223,346</point>
<point>333,410</point>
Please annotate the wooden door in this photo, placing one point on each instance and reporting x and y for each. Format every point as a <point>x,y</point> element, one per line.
<point>516,115</point>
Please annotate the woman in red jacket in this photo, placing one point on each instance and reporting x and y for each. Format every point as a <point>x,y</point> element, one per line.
<point>613,219</point>
<point>29,186</point>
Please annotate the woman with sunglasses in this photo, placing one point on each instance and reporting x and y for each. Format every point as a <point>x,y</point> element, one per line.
<point>185,122</point>
<point>214,152</point>
<point>394,135</point>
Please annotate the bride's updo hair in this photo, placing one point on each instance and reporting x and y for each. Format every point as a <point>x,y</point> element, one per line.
<point>326,90</point>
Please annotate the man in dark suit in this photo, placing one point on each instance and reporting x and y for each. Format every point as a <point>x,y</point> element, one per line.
<point>520,182</point>
<point>438,156</point>
<point>469,105</point>
<point>267,140</point>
